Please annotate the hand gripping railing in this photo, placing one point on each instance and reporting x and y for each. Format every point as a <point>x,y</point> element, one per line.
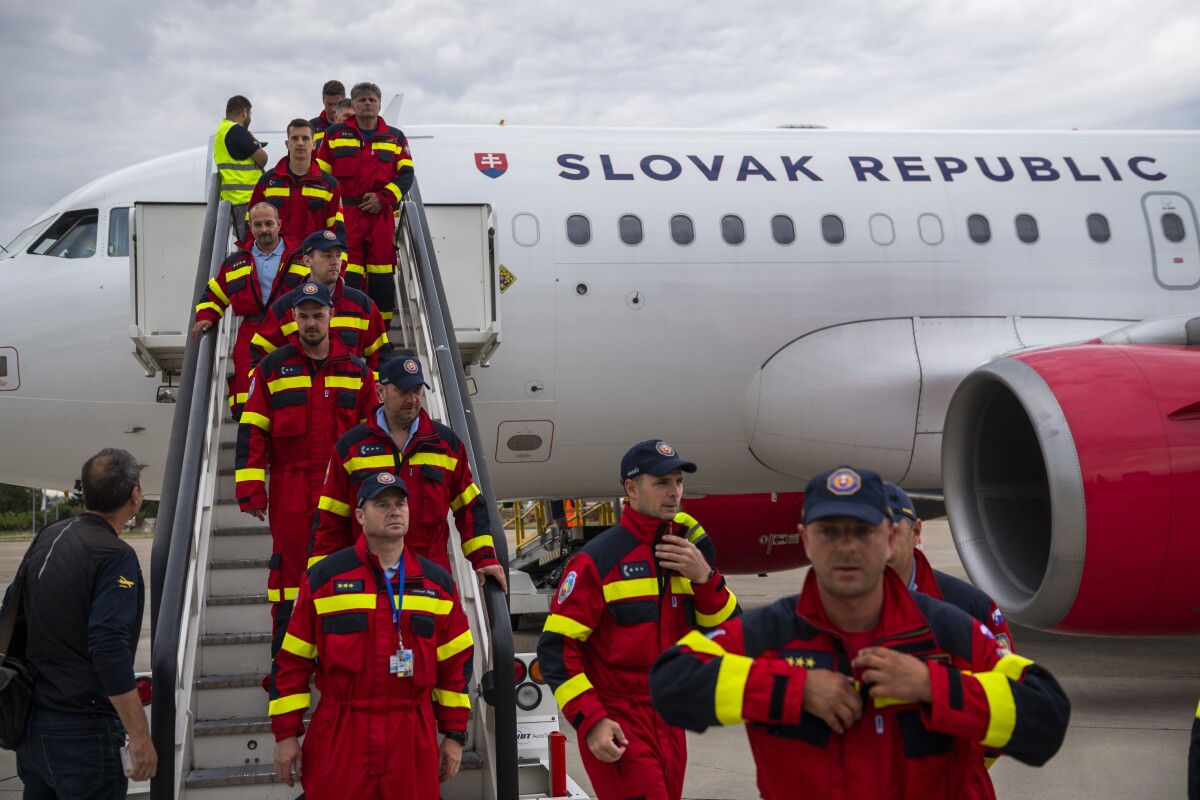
<point>171,551</point>
<point>462,420</point>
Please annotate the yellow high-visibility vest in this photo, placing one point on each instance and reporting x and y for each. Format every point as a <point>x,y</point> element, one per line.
<point>238,178</point>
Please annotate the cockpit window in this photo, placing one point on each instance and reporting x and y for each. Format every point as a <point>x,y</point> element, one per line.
<point>118,232</point>
<point>24,238</point>
<point>73,235</point>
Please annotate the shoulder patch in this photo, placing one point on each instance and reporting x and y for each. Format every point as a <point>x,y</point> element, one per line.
<point>567,586</point>
<point>125,583</point>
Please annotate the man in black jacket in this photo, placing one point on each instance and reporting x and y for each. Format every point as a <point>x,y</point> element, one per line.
<point>81,612</point>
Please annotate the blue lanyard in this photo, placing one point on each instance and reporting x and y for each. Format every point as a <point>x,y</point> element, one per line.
<point>398,600</point>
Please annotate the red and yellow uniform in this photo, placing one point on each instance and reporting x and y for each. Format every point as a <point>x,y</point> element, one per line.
<point>312,202</point>
<point>373,734</point>
<point>614,614</point>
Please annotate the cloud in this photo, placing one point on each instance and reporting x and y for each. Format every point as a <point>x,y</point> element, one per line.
<point>91,87</point>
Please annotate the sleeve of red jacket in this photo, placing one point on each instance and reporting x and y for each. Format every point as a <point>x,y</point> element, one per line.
<point>334,220</point>
<point>575,611</point>
<point>331,524</point>
<point>376,338</point>
<point>254,431</point>
<point>368,398</point>
<point>451,703</point>
<point>215,299</point>
<point>402,176</point>
<point>294,665</point>
<point>707,680</point>
<point>323,157</point>
<point>715,603</point>
<point>471,515</point>
<point>1001,700</point>
<point>267,339</point>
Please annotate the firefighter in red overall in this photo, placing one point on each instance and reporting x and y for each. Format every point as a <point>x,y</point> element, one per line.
<point>374,168</point>
<point>302,397</point>
<point>249,281</point>
<point>308,198</point>
<point>627,596</point>
<point>355,319</point>
<point>385,632</point>
<point>400,437</point>
<point>858,687</point>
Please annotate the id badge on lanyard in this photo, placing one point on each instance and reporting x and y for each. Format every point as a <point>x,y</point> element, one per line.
<point>401,664</point>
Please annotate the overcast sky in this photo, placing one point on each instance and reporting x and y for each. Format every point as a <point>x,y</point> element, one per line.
<point>90,87</point>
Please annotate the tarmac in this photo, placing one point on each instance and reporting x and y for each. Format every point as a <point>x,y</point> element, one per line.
<point>1133,702</point>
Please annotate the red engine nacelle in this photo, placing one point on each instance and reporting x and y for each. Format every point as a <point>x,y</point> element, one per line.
<point>753,533</point>
<point>1072,482</point>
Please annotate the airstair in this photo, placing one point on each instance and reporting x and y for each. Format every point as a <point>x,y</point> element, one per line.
<point>210,616</point>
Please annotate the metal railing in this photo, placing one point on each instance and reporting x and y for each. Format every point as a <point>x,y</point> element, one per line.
<point>171,551</point>
<point>461,413</point>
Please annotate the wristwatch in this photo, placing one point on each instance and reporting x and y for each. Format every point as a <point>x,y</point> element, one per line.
<point>456,736</point>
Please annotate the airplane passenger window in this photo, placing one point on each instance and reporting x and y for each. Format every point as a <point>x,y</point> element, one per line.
<point>579,229</point>
<point>733,230</point>
<point>883,232</point>
<point>930,228</point>
<point>1173,227</point>
<point>1027,229</point>
<point>783,229</point>
<point>833,229</point>
<point>118,232</point>
<point>683,232</point>
<point>979,229</point>
<point>631,229</point>
<point>1098,228</point>
<point>73,235</point>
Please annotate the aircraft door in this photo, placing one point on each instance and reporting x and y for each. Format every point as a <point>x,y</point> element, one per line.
<point>1174,246</point>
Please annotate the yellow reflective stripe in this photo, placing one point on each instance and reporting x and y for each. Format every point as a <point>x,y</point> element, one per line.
<point>277,192</point>
<point>713,620</point>
<point>259,341</point>
<point>290,593</point>
<point>395,191</point>
<point>240,272</point>
<point>220,311</point>
<point>404,162</point>
<point>357,269</point>
<point>447,463</point>
<point>323,164</point>
<point>455,645</point>
<point>353,465</point>
<point>312,191</point>
<point>291,702</point>
<point>250,417</point>
<point>327,503</point>
<point>699,643</point>
<point>1012,666</point>
<point>282,384</point>
<point>250,475</point>
<point>1003,709</point>
<point>431,605</point>
<point>731,688</point>
<point>358,323</point>
<point>339,216</point>
<point>357,601</point>
<point>391,147</point>
<point>297,268</point>
<point>374,346</point>
<point>569,689</point>
<point>288,328</point>
<point>342,143</point>
<point>379,269</point>
<point>215,288</point>
<point>469,494</point>
<point>625,590</point>
<point>557,623</point>
<point>314,559</point>
<point>475,543</point>
<point>240,397</point>
<point>681,585</point>
<point>451,699</point>
<point>297,646</point>
<point>694,529</point>
<point>342,382</point>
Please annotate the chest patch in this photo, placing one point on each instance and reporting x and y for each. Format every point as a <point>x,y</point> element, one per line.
<point>370,450</point>
<point>635,569</point>
<point>347,587</point>
<point>809,659</point>
<point>288,370</point>
<point>423,592</point>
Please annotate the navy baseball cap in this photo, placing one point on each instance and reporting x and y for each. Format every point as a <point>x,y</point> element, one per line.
<point>901,504</point>
<point>322,240</point>
<point>403,372</point>
<point>379,482</point>
<point>316,292</point>
<point>847,492</point>
<point>652,457</point>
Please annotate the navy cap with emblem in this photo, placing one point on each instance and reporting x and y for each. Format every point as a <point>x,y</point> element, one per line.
<point>379,482</point>
<point>403,372</point>
<point>900,503</point>
<point>847,492</point>
<point>322,240</point>
<point>311,291</point>
<point>652,457</point>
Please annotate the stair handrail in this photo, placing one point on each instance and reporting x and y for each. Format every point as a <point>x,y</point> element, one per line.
<point>171,550</point>
<point>461,413</point>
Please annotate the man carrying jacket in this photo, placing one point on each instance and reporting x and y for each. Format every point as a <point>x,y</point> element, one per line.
<point>308,199</point>
<point>628,595</point>
<point>355,319</point>
<point>249,281</point>
<point>384,630</point>
<point>302,397</point>
<point>857,687</point>
<point>374,167</point>
<point>400,437</point>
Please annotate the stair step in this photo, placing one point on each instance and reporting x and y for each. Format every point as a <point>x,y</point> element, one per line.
<point>237,613</point>
<point>230,697</point>
<point>235,776</point>
<point>237,575</point>
<point>235,652</point>
<point>227,514</point>
<point>240,542</point>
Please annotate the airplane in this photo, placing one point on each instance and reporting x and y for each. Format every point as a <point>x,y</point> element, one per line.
<point>1005,319</point>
